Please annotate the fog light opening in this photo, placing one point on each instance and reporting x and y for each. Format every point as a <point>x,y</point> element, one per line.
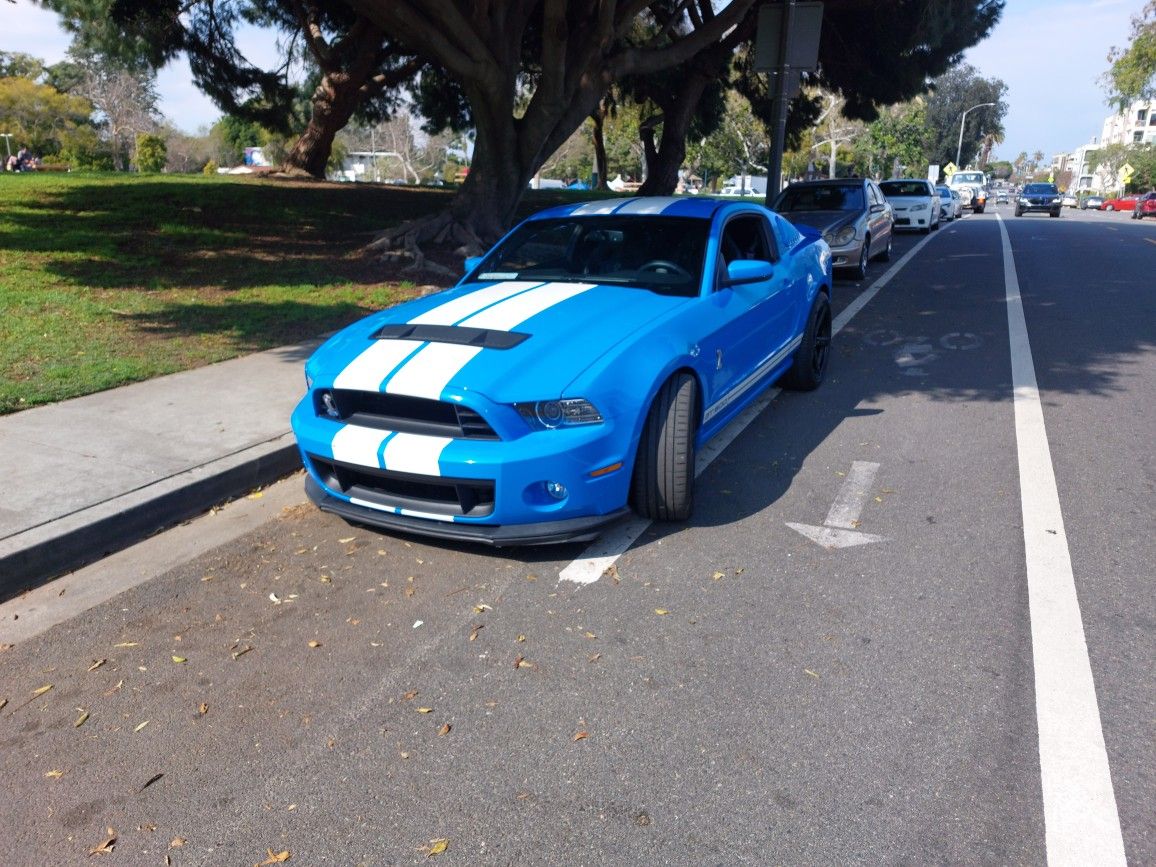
<point>555,490</point>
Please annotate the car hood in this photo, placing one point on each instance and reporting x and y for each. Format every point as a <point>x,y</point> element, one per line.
<point>824,221</point>
<point>510,341</point>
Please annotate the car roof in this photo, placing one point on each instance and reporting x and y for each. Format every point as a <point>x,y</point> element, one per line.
<point>703,208</point>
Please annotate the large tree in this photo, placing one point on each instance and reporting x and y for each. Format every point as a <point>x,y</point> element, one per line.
<point>1132,75</point>
<point>953,94</point>
<point>531,73</point>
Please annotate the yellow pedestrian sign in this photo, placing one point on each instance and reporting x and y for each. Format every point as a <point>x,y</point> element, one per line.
<point>1126,172</point>
<point>949,170</point>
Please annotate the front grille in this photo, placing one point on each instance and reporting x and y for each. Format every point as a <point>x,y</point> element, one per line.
<point>436,495</point>
<point>401,413</point>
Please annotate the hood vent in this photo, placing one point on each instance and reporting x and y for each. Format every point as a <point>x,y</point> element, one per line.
<point>484,338</point>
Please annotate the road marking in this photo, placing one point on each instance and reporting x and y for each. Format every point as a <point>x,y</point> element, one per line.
<point>839,529</point>
<point>1081,822</point>
<point>607,548</point>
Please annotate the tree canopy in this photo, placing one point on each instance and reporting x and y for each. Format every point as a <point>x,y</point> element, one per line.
<point>1132,75</point>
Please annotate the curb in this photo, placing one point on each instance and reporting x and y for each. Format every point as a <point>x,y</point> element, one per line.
<point>42,553</point>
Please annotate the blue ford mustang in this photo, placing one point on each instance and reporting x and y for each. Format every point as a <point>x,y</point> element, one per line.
<point>570,376</point>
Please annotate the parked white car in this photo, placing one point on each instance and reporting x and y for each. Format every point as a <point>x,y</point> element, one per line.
<point>916,203</point>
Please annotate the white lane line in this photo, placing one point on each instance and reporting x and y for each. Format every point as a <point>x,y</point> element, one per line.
<point>607,548</point>
<point>1081,823</point>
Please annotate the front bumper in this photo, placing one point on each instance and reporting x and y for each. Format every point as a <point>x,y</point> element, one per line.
<point>1026,205</point>
<point>491,491</point>
<point>499,535</point>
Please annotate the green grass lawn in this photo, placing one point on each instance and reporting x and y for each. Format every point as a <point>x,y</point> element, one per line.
<point>111,279</point>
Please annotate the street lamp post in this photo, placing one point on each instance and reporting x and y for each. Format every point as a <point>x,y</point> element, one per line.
<point>7,136</point>
<point>962,120</point>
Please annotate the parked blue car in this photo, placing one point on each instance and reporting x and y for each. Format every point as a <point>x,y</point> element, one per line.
<point>570,376</point>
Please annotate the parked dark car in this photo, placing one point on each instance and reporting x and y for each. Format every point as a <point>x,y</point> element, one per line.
<point>1145,206</point>
<point>1039,197</point>
<point>853,215</point>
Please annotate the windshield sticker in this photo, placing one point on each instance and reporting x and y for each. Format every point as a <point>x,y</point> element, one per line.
<point>499,275</point>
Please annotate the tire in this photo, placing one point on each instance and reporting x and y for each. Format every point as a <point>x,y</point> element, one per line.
<point>926,230</point>
<point>860,270</point>
<point>935,226</point>
<point>1109,207</point>
<point>1053,213</point>
<point>662,488</point>
<point>885,256</point>
<point>1019,213</point>
<point>813,354</point>
<point>979,210</point>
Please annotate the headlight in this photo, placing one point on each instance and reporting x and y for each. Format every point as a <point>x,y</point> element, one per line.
<point>919,207</point>
<point>840,238</point>
<point>550,414</point>
<point>1056,199</point>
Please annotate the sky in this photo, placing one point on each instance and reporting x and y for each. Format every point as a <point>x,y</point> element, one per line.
<point>1050,54</point>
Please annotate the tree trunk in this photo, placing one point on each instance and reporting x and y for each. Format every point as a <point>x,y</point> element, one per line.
<point>600,166</point>
<point>664,162</point>
<point>334,101</point>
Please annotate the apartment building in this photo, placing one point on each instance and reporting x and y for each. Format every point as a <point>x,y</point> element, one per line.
<point>1136,125</point>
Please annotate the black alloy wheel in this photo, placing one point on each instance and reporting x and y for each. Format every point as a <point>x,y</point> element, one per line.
<point>813,354</point>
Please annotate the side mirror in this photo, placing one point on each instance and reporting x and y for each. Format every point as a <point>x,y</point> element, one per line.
<point>742,271</point>
<point>878,207</point>
<point>473,262</point>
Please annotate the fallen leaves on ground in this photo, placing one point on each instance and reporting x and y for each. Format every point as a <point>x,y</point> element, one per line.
<point>177,842</point>
<point>410,695</point>
<point>81,720</point>
<point>445,729</point>
<point>107,845</point>
<point>611,571</point>
<point>3,702</point>
<point>474,630</point>
<point>276,858</point>
<point>179,660</point>
<point>717,575</point>
<point>661,612</point>
<point>141,726</point>
<point>55,774</point>
<point>203,708</point>
<point>813,674</point>
<point>128,644</point>
<point>39,692</point>
<point>237,654</point>
<point>436,847</point>
<point>522,662</point>
<point>425,710</point>
<point>594,657</point>
<point>580,736</point>
<point>314,643</point>
<point>97,663</point>
<point>482,608</point>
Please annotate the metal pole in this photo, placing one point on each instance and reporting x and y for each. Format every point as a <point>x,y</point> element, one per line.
<point>775,169</point>
<point>7,141</point>
<point>962,120</point>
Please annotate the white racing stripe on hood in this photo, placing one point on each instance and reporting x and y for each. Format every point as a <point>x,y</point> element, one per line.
<point>454,311</point>
<point>359,445</point>
<point>431,370</point>
<point>368,370</point>
<point>414,453</point>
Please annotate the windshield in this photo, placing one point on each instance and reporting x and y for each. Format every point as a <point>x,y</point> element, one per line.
<point>662,254</point>
<point>1041,188</point>
<point>944,192</point>
<point>967,178</point>
<point>821,197</point>
<point>904,188</point>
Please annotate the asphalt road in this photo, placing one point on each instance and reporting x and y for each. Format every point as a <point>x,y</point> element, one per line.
<point>727,692</point>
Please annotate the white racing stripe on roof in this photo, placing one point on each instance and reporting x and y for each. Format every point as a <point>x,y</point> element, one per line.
<point>651,205</point>
<point>414,453</point>
<point>368,370</point>
<point>359,445</point>
<point>606,206</point>
<point>454,311</point>
<point>431,370</point>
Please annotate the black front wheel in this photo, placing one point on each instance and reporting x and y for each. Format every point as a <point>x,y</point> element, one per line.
<point>810,365</point>
<point>662,488</point>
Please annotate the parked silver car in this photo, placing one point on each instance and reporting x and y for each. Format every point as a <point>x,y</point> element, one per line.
<point>852,213</point>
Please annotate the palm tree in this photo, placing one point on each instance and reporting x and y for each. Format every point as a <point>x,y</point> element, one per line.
<point>987,144</point>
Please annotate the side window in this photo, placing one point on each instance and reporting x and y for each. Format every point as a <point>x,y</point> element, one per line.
<point>874,195</point>
<point>745,237</point>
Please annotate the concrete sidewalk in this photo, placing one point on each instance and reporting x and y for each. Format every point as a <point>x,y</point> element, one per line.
<point>92,475</point>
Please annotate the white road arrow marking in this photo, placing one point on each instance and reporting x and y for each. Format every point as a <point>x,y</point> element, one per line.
<point>838,531</point>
